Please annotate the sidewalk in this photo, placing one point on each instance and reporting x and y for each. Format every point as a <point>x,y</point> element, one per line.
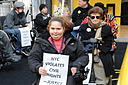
<point>122,34</point>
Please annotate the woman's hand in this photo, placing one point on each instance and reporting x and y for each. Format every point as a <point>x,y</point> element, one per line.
<point>42,71</point>
<point>73,70</point>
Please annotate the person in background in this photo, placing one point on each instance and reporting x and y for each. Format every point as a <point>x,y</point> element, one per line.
<point>59,42</point>
<point>103,61</point>
<point>6,49</point>
<point>80,13</point>
<point>108,18</point>
<point>15,19</point>
<point>41,20</point>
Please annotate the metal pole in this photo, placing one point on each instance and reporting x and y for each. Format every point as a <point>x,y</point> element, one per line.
<point>31,13</point>
<point>71,6</point>
<point>62,10</point>
<point>92,78</point>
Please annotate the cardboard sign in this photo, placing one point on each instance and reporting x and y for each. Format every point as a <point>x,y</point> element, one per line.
<point>56,66</point>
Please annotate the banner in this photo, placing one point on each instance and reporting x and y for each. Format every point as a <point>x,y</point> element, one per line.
<point>25,36</point>
<point>56,66</point>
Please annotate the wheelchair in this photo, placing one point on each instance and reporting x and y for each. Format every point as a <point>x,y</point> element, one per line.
<point>15,42</point>
<point>16,45</point>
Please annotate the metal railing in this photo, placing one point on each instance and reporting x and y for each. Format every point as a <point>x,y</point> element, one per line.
<point>5,7</point>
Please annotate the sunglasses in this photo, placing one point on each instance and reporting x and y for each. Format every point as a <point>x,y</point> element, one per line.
<point>93,17</point>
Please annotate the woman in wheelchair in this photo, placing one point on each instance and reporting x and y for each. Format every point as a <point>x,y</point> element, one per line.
<point>96,28</point>
<point>6,51</point>
<point>59,42</point>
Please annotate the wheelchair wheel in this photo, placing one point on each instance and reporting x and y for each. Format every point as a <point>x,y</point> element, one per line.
<point>34,35</point>
<point>15,44</point>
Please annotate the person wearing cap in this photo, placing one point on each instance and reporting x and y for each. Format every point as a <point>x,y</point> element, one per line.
<point>41,20</point>
<point>80,13</point>
<point>15,19</point>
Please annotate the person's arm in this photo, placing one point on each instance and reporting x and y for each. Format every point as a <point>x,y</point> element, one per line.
<point>114,25</point>
<point>23,20</point>
<point>35,58</point>
<point>74,16</point>
<point>9,22</point>
<point>107,37</point>
<point>82,56</point>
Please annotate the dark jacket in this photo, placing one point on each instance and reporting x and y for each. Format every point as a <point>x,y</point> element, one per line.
<point>107,37</point>
<point>79,14</point>
<point>14,20</point>
<point>73,48</point>
<point>41,22</point>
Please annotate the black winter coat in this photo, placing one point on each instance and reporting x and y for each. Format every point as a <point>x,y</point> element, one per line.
<point>107,37</point>
<point>41,22</point>
<point>73,48</point>
<point>79,14</point>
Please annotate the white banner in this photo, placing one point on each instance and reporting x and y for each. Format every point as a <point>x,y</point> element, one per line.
<point>57,69</point>
<point>25,36</point>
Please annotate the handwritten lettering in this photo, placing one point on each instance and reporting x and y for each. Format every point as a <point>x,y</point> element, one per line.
<point>54,64</point>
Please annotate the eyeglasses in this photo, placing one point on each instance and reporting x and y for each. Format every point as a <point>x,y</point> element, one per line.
<point>93,17</point>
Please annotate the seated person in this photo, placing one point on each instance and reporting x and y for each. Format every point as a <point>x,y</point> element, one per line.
<point>6,48</point>
<point>59,42</point>
<point>97,28</point>
<point>41,20</point>
<point>15,19</point>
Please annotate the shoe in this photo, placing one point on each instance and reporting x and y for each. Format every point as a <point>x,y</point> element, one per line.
<point>25,53</point>
<point>14,58</point>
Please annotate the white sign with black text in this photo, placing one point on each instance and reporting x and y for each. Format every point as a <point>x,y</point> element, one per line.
<point>25,36</point>
<point>56,66</point>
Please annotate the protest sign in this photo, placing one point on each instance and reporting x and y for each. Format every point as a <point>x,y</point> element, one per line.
<point>56,66</point>
<point>25,36</point>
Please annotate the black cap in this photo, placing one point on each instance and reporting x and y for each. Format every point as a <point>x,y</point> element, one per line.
<point>101,5</point>
<point>86,0</point>
<point>42,6</point>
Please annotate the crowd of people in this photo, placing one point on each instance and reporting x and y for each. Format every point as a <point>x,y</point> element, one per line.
<point>56,36</point>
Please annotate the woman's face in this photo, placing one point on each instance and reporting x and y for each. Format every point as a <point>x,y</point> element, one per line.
<point>56,30</point>
<point>95,18</point>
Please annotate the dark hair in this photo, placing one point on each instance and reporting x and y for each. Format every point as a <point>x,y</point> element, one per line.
<point>65,22</point>
<point>96,10</point>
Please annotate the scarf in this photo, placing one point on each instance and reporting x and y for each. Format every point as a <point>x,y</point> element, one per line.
<point>96,26</point>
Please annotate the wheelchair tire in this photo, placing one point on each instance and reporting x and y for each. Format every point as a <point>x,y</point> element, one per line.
<point>15,45</point>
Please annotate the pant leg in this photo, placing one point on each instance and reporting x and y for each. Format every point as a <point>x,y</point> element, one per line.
<point>100,74</point>
<point>7,45</point>
<point>15,32</point>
